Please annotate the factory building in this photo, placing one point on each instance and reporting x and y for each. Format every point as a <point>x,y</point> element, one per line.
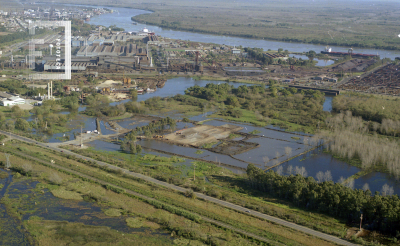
<point>10,99</point>
<point>111,50</point>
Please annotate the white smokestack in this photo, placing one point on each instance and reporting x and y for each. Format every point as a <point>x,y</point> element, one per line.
<point>51,49</point>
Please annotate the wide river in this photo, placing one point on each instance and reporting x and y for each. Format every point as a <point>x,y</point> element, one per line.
<point>122,18</point>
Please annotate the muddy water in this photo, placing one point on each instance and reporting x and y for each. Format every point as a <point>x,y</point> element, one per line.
<point>49,207</point>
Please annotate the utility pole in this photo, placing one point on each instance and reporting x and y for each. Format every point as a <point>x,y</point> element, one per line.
<point>194,172</point>
<point>8,163</point>
<point>81,138</point>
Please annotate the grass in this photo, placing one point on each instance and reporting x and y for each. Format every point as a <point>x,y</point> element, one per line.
<point>48,232</point>
<point>223,185</point>
<point>140,222</point>
<point>113,212</point>
<point>295,138</point>
<point>121,117</point>
<point>199,152</point>
<point>208,145</point>
<point>232,136</point>
<point>247,117</point>
<point>126,204</point>
<point>254,132</point>
<point>66,194</point>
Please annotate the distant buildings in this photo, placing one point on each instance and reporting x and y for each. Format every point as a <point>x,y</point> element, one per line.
<point>10,99</point>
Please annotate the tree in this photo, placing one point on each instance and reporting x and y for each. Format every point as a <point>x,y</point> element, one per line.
<point>365,187</point>
<point>17,111</point>
<point>301,171</point>
<point>21,124</point>
<point>288,151</point>
<point>232,101</point>
<point>266,160</point>
<point>280,50</point>
<point>279,170</point>
<point>320,177</point>
<point>138,148</point>
<point>133,93</point>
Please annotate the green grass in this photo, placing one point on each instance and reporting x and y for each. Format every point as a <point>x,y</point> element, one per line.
<point>48,232</point>
<point>247,117</point>
<point>66,194</point>
<point>121,117</point>
<point>208,145</point>
<point>112,212</point>
<point>254,132</point>
<point>232,136</point>
<point>199,152</point>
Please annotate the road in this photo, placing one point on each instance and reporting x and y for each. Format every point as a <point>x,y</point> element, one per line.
<point>218,223</point>
<point>254,213</point>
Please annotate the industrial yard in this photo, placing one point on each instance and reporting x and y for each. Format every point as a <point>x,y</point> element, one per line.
<point>384,80</point>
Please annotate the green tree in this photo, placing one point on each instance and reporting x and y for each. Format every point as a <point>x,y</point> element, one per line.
<point>22,124</point>
<point>133,94</point>
<point>17,111</point>
<point>232,101</point>
<point>138,148</point>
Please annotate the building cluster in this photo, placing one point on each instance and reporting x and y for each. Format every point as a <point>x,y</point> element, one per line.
<point>15,21</point>
<point>10,99</point>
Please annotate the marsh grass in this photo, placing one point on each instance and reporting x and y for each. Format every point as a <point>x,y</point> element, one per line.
<point>65,233</point>
<point>113,212</point>
<point>66,194</point>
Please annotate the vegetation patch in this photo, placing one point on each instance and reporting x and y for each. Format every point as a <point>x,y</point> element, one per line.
<point>65,233</point>
<point>199,152</point>
<point>113,212</point>
<point>208,145</point>
<point>141,222</point>
<point>66,194</point>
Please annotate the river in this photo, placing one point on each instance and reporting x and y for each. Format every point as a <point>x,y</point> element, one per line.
<point>122,18</point>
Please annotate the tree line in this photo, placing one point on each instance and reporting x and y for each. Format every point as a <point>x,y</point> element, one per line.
<point>303,107</point>
<point>380,212</point>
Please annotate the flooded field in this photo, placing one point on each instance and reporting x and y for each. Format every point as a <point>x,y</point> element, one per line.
<point>10,229</point>
<point>273,142</point>
<point>32,200</point>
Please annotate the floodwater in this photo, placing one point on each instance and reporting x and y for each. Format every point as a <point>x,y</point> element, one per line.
<point>317,161</point>
<point>320,63</point>
<point>172,87</point>
<point>107,146</point>
<point>49,207</point>
<point>11,232</point>
<point>122,18</point>
<point>327,106</point>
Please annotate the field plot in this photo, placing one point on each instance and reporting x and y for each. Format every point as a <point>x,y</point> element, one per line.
<point>200,135</point>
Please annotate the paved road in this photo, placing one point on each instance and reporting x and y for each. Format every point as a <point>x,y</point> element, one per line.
<point>254,213</point>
